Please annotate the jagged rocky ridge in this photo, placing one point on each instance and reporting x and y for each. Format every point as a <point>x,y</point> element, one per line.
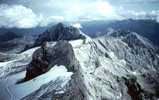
<point>111,67</point>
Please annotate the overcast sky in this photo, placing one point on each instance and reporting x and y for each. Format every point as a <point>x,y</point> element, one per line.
<point>31,13</point>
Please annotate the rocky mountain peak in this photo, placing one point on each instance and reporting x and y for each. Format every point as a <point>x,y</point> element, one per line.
<point>135,40</point>
<point>59,32</point>
<point>60,25</point>
<point>46,57</point>
<point>117,33</point>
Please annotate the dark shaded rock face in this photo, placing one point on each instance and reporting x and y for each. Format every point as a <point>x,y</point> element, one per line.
<point>46,57</point>
<point>59,32</point>
<point>10,41</point>
<point>143,87</point>
<point>134,89</point>
<point>8,36</point>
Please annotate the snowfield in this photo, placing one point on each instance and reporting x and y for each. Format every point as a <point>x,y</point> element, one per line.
<point>12,91</point>
<point>13,71</point>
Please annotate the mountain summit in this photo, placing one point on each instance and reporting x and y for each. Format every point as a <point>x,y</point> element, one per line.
<point>59,32</point>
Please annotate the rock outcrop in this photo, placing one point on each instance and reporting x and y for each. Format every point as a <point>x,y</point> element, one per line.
<point>47,56</point>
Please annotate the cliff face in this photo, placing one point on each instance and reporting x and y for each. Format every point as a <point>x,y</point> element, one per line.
<point>48,56</point>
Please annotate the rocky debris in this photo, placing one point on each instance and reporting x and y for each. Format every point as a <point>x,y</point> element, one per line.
<point>47,56</point>
<point>59,32</point>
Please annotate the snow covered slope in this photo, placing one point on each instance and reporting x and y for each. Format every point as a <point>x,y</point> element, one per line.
<point>13,71</point>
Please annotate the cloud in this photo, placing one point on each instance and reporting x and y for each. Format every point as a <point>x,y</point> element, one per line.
<point>153,14</point>
<point>50,19</point>
<point>20,16</point>
<point>42,13</point>
<point>17,16</point>
<point>32,13</point>
<point>136,1</point>
<point>75,10</point>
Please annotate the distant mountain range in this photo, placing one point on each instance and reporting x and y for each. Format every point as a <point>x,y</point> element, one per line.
<point>146,28</point>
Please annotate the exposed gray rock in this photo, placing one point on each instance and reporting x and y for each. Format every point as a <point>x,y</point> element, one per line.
<point>47,56</point>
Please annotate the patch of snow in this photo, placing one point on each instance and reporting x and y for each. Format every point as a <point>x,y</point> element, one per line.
<point>18,91</point>
<point>134,73</point>
<point>76,43</point>
<point>112,55</point>
<point>30,51</point>
<point>77,25</point>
